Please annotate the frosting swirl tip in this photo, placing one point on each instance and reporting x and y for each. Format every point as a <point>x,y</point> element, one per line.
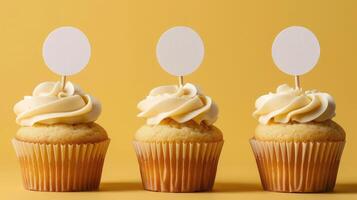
<point>181,104</point>
<point>289,104</point>
<point>50,104</point>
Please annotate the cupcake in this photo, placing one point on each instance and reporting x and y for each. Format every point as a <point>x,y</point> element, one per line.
<point>296,145</point>
<point>58,145</point>
<point>178,148</point>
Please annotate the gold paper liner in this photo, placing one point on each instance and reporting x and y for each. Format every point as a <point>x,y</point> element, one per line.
<point>178,166</point>
<point>297,166</point>
<point>61,167</point>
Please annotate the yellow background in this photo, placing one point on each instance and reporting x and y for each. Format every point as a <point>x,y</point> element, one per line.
<point>237,69</point>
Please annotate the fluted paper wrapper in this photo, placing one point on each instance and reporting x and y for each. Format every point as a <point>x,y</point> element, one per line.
<point>61,167</point>
<point>297,166</point>
<point>178,166</point>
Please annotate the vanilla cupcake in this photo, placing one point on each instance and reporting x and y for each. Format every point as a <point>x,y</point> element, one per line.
<point>178,148</point>
<point>59,146</point>
<point>297,146</point>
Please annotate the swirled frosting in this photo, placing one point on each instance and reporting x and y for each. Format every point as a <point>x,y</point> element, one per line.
<point>49,104</point>
<point>181,104</point>
<point>294,105</point>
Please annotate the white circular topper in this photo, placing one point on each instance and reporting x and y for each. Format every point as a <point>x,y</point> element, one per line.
<point>296,50</point>
<point>180,51</point>
<point>66,51</point>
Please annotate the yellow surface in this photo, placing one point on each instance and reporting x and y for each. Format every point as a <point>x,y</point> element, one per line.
<point>123,68</point>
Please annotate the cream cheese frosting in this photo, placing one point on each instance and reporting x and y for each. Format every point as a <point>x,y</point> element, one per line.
<point>294,105</point>
<point>181,104</point>
<point>49,104</point>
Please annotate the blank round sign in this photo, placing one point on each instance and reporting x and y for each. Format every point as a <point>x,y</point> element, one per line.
<point>180,51</point>
<point>66,51</point>
<point>296,50</point>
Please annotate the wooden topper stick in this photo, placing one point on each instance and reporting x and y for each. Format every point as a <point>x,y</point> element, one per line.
<point>181,81</point>
<point>297,82</point>
<point>63,82</point>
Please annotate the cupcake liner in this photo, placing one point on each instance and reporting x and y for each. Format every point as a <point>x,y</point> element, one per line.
<point>61,167</point>
<point>297,166</point>
<point>178,166</point>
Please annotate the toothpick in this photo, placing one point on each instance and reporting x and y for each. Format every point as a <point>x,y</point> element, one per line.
<point>63,82</point>
<point>181,81</point>
<point>297,82</point>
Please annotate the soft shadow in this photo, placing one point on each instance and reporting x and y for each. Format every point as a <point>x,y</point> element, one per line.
<point>120,186</point>
<point>340,188</point>
<point>218,187</point>
<point>345,188</point>
<point>236,187</point>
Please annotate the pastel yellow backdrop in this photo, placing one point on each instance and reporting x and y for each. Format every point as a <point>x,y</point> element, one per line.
<point>237,69</point>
